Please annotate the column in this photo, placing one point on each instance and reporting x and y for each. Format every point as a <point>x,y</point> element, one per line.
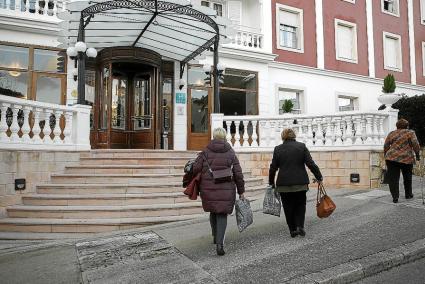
<point>319,35</point>
<point>3,123</point>
<point>412,42</point>
<point>370,39</point>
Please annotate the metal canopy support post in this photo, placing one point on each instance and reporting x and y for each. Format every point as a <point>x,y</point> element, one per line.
<point>216,79</point>
<point>81,67</point>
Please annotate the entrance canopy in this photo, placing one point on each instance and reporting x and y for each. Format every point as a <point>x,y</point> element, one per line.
<point>175,29</point>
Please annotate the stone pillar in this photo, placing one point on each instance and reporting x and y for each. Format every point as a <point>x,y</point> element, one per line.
<point>81,127</point>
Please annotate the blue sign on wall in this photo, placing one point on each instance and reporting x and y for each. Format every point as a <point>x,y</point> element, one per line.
<point>180,98</point>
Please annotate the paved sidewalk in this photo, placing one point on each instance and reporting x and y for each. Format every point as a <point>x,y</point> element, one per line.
<point>365,235</point>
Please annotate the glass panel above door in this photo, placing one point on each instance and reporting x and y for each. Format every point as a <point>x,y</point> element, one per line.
<point>119,94</point>
<point>142,118</point>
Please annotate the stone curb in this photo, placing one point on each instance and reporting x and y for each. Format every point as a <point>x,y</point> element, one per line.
<point>367,266</point>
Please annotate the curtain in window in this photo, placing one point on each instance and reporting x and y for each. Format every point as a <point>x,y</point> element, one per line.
<point>345,42</point>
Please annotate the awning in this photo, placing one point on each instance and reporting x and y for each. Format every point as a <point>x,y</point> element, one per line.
<point>174,28</point>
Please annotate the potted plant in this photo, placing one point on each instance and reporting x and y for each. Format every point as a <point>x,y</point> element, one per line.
<point>287,106</point>
<point>388,97</point>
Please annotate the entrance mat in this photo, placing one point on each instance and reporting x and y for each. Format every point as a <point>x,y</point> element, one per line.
<point>137,258</point>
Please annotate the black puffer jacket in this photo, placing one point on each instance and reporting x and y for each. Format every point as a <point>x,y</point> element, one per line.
<point>220,197</point>
<point>290,159</point>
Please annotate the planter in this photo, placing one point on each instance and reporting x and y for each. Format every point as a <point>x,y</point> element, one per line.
<point>388,98</point>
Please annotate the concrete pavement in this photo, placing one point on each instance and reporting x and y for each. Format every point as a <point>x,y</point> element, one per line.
<point>366,234</point>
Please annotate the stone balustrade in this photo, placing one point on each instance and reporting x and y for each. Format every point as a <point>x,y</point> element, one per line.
<point>31,125</point>
<point>356,130</point>
<point>43,8</point>
<point>246,39</point>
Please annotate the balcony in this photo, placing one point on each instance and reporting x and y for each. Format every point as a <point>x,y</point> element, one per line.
<point>247,38</point>
<point>45,10</point>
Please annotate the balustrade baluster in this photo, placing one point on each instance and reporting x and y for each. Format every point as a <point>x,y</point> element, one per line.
<point>319,133</point>
<point>63,5</point>
<point>57,130</point>
<point>3,123</point>
<point>8,5</point>
<point>14,128</point>
<point>309,140</point>
<point>47,129</point>
<point>67,131</point>
<point>18,5</point>
<point>55,8</point>
<point>254,134</point>
<point>46,7</point>
<point>272,135</point>
<point>359,130</point>
<point>228,134</point>
<point>348,137</point>
<point>369,131</point>
<point>338,132</point>
<point>37,6</point>
<point>375,130</point>
<point>262,141</point>
<point>245,136</point>
<point>27,6</point>
<point>329,132</point>
<point>300,134</point>
<point>237,134</point>
<point>381,130</point>
<point>26,126</point>
<point>36,130</point>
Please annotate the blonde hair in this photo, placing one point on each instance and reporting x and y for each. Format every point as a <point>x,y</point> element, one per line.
<point>219,133</point>
<point>288,134</point>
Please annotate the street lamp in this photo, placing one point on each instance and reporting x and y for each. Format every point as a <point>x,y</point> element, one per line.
<point>78,52</point>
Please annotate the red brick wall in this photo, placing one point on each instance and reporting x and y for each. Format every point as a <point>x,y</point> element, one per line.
<point>419,38</point>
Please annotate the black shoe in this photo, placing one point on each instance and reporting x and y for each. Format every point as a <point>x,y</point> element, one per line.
<point>220,250</point>
<point>301,231</point>
<point>293,234</point>
<point>214,241</point>
<point>409,196</point>
<point>395,200</point>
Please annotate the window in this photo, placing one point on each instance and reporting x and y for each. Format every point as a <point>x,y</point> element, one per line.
<point>234,12</point>
<point>218,7</point>
<point>33,73</point>
<point>392,52</point>
<point>347,103</point>
<point>423,12</point>
<point>423,58</point>
<point>351,1</point>
<point>289,28</point>
<point>292,95</point>
<point>391,7</point>
<point>346,41</point>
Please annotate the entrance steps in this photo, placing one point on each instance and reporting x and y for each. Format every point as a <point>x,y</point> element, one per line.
<point>112,190</point>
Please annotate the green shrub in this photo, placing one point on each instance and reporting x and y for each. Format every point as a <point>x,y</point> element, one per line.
<point>287,106</point>
<point>389,84</point>
<point>412,109</point>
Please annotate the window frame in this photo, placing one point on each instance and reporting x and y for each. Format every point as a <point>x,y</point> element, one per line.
<point>300,35</point>
<point>397,37</point>
<point>422,8</point>
<point>216,2</point>
<point>34,74</point>
<point>294,89</point>
<point>353,26</point>
<point>350,1</point>
<point>350,96</point>
<point>423,58</point>
<point>397,14</point>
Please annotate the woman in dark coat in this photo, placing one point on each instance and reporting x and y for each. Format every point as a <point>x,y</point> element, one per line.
<point>290,159</point>
<point>219,198</point>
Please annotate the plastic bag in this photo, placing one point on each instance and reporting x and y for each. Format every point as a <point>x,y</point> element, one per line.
<point>244,216</point>
<point>272,204</point>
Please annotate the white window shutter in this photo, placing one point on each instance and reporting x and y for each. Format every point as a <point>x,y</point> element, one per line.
<point>234,9</point>
<point>345,42</point>
<point>289,18</point>
<point>391,52</point>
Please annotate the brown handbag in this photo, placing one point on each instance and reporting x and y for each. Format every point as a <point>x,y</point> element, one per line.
<point>192,190</point>
<point>220,176</point>
<point>324,206</point>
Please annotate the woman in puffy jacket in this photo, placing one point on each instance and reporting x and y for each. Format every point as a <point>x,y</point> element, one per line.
<point>219,198</point>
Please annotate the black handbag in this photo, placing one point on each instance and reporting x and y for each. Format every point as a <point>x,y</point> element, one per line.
<point>220,176</point>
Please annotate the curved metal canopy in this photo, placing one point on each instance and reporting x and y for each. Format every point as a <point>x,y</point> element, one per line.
<point>175,29</point>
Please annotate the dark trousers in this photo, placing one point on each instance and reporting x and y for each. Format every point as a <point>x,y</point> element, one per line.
<point>294,207</point>
<point>393,172</point>
<point>218,226</point>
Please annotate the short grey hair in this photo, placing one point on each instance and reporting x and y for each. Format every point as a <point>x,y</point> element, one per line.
<point>219,133</point>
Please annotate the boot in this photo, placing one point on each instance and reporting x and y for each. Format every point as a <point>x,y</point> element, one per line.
<point>220,249</point>
<point>301,231</point>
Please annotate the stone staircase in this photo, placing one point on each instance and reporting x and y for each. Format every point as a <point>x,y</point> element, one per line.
<point>112,190</point>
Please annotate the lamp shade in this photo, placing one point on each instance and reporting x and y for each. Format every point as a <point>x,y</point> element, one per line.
<point>91,52</point>
<point>206,68</point>
<point>182,82</point>
<point>74,72</point>
<point>221,67</point>
<point>71,51</point>
<point>81,46</point>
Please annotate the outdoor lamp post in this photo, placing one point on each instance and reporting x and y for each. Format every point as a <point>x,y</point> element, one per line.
<point>78,53</point>
<point>216,74</point>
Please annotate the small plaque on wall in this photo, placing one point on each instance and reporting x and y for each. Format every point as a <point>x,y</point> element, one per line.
<point>180,98</point>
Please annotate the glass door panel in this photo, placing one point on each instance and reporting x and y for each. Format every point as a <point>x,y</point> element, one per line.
<point>199,111</point>
<point>119,95</point>
<point>142,117</point>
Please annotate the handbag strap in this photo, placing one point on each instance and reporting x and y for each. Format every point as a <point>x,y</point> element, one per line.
<point>320,192</point>
<point>206,160</point>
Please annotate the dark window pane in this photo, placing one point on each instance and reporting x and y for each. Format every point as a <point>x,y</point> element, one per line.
<point>199,107</point>
<point>104,98</point>
<point>240,79</point>
<point>49,60</point>
<point>14,57</point>
<point>238,102</point>
<point>14,84</point>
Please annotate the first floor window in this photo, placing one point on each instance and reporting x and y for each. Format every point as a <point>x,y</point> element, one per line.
<point>423,58</point>
<point>392,52</point>
<point>290,25</point>
<point>390,6</point>
<point>346,41</point>
<point>423,12</point>
<point>218,7</point>
<point>346,103</point>
<point>289,95</point>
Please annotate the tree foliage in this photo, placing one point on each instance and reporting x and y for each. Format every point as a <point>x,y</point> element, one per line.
<point>389,84</point>
<point>412,109</point>
<point>287,106</point>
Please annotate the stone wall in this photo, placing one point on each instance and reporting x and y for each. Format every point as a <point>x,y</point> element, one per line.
<point>416,169</point>
<point>336,167</point>
<point>34,166</point>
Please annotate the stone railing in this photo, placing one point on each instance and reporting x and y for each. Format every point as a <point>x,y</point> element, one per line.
<point>31,125</point>
<point>246,39</point>
<point>357,130</point>
<point>44,8</point>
